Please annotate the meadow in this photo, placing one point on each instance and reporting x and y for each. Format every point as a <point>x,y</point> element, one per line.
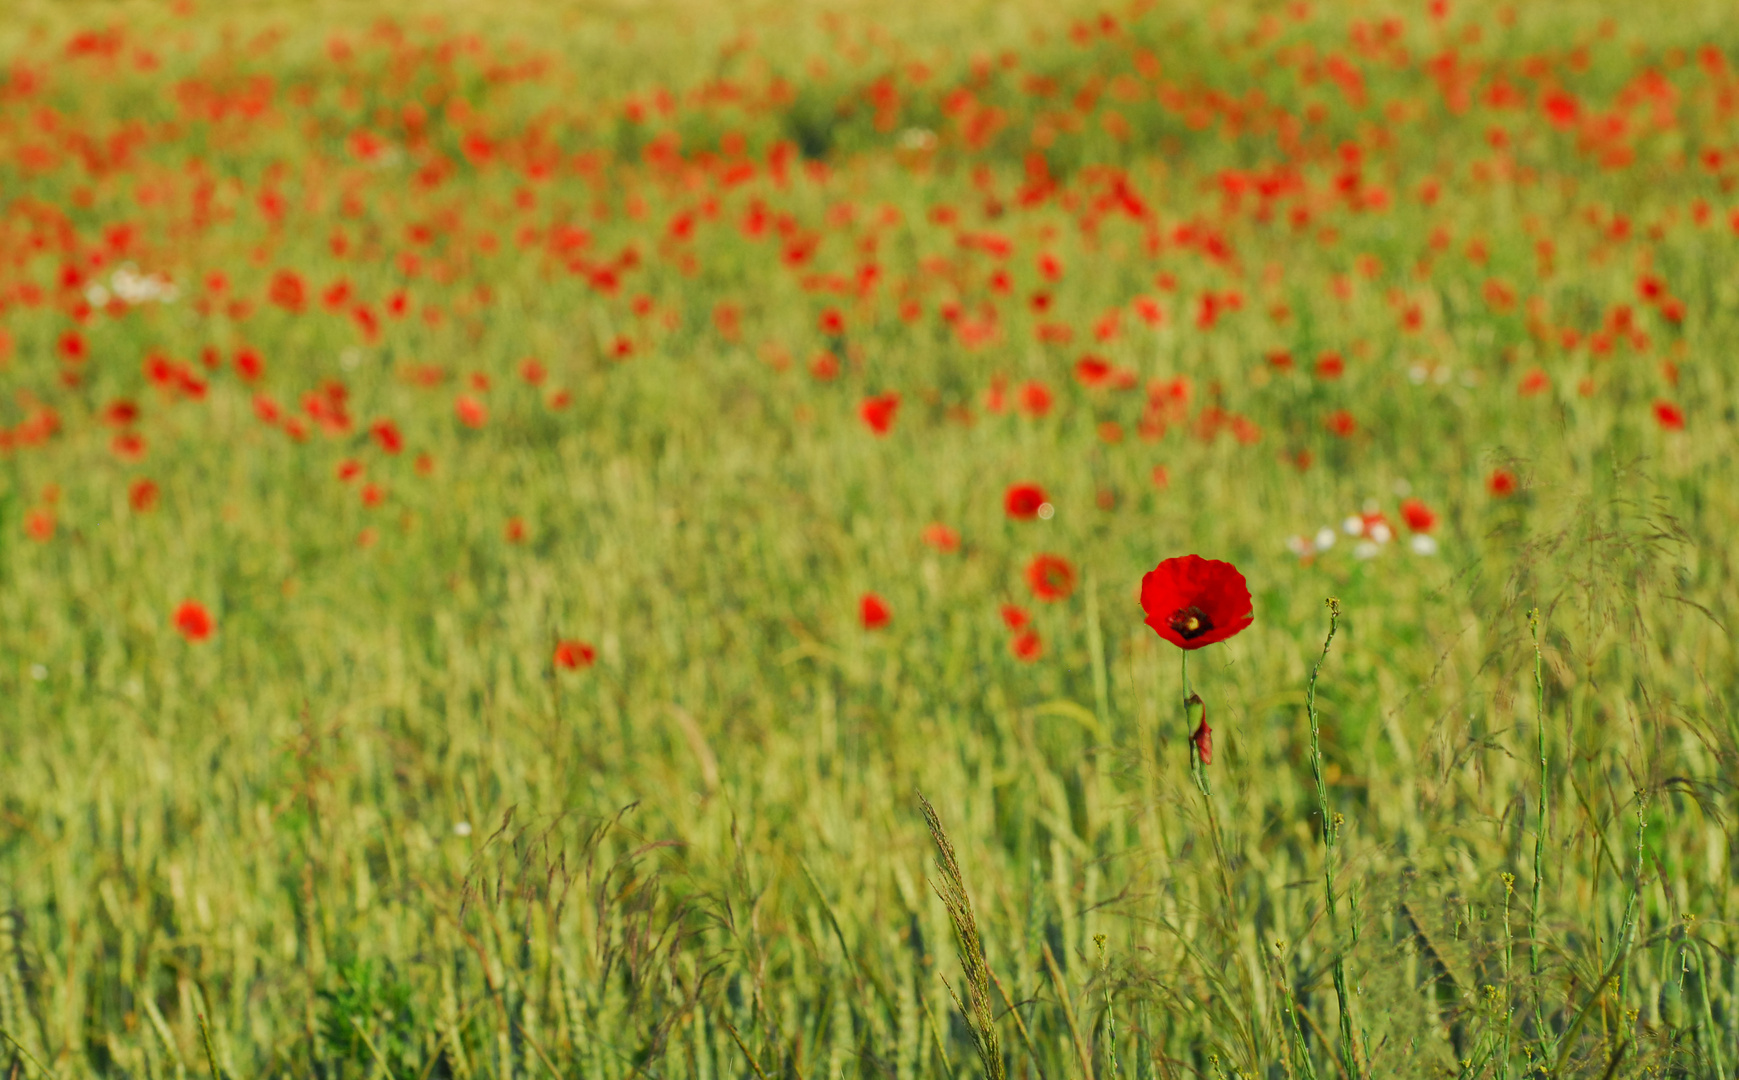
<point>606,540</point>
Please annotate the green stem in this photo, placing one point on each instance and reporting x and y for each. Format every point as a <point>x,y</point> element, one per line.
<point>1110,1013</point>
<point>1330,835</point>
<point>1199,773</point>
<point>1508,996</point>
<point>1541,827</point>
<point>1188,732</point>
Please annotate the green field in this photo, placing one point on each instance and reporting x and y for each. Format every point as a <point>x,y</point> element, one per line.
<point>506,515</point>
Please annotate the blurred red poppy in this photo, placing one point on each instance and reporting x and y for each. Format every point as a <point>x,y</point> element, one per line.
<point>1015,617</point>
<point>1035,399</point>
<point>194,622</point>
<point>873,612</point>
<point>1191,601</point>
<point>1050,577</point>
<point>878,412</point>
<point>942,538</point>
<point>386,434</point>
<point>1418,516</point>
<point>142,496</point>
<point>249,364</point>
<point>1501,483</point>
<point>471,411</point>
<point>287,291</point>
<point>120,413</point>
<point>574,655</point>
<point>1026,646</point>
<point>1669,416</point>
<point>1022,501</point>
<point>39,524</point>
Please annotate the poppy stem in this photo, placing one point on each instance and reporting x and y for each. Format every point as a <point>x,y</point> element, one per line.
<point>1199,773</point>
<point>1188,731</point>
<point>1330,836</point>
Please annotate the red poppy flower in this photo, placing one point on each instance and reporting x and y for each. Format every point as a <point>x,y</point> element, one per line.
<point>1501,483</point>
<point>824,367</point>
<point>386,433</point>
<point>287,291</point>
<point>120,413</point>
<point>1669,416</point>
<point>1341,424</point>
<point>942,538</point>
<point>1026,646</point>
<point>1022,501</point>
<point>471,411</point>
<point>515,530</point>
<point>1092,371</point>
<point>574,655</point>
<point>873,612</point>
<point>1015,617</point>
<point>1191,601</point>
<point>128,446</point>
<point>39,524</point>
<point>878,412</point>
<point>249,364</point>
<point>142,496</point>
<point>194,622</point>
<point>1050,577</point>
<point>1035,399</point>
<point>1418,516</point>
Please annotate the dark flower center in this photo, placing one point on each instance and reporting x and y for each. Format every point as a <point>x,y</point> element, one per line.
<point>1189,623</point>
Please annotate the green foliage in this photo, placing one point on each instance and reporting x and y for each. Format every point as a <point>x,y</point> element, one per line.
<point>370,829</point>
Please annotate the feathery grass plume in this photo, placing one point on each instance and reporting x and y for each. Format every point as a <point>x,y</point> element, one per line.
<point>1330,835</point>
<point>978,1008</point>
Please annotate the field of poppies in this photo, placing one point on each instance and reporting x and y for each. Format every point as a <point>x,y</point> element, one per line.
<point>895,540</point>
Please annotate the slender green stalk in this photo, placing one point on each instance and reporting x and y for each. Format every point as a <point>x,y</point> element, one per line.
<point>1542,826</point>
<point>1616,970</point>
<point>41,1069</point>
<point>1713,1051</point>
<point>1330,835</point>
<point>1508,992</point>
<point>1630,904</point>
<point>217,1074</point>
<point>1110,1014</point>
<point>1189,742</point>
<point>1291,1008</point>
<point>1199,773</point>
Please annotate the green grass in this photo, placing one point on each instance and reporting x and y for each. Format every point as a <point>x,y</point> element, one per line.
<point>369,829</point>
